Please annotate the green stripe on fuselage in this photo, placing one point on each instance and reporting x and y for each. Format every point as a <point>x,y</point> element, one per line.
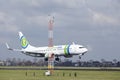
<point>65,50</point>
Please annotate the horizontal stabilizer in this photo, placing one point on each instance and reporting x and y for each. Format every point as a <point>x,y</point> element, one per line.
<point>11,48</point>
<point>8,47</point>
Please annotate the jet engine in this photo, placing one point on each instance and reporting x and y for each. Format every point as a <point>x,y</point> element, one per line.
<point>48,55</point>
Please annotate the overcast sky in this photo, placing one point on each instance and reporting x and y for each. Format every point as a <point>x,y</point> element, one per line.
<point>92,23</point>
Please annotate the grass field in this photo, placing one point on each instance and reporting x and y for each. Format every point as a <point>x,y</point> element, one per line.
<point>59,75</point>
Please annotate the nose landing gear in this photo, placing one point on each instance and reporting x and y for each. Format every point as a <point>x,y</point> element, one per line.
<point>79,57</point>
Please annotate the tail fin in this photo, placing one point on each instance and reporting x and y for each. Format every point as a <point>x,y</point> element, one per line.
<point>24,42</point>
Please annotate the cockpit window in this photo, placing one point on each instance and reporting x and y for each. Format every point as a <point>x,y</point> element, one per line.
<point>81,47</point>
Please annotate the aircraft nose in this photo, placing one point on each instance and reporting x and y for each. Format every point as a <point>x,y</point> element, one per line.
<point>85,50</point>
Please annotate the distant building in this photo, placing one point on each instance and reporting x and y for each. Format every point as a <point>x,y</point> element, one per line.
<point>2,63</point>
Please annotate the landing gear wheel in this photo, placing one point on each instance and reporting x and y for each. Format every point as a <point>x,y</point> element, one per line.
<point>79,57</point>
<point>83,53</point>
<point>46,59</point>
<point>57,59</point>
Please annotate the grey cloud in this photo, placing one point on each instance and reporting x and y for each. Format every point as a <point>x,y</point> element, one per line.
<point>93,23</point>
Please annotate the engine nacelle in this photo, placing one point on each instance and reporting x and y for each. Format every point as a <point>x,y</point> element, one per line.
<point>48,55</point>
<point>56,59</point>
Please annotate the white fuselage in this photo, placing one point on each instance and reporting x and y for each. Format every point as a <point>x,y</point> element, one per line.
<point>61,50</point>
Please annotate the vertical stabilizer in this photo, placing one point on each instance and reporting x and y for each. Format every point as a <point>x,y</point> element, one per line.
<point>23,41</point>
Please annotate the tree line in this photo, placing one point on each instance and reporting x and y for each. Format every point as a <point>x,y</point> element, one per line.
<point>65,62</point>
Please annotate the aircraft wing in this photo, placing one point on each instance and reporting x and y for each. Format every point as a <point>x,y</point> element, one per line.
<point>33,54</point>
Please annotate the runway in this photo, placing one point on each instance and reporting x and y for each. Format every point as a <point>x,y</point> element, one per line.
<point>61,68</point>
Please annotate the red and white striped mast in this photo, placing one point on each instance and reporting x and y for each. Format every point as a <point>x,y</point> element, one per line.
<point>50,34</point>
<point>50,44</point>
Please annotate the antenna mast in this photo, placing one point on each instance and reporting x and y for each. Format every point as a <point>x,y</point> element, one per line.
<point>50,45</point>
<point>51,22</point>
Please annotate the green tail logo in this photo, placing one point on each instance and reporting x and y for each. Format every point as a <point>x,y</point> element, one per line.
<point>24,42</point>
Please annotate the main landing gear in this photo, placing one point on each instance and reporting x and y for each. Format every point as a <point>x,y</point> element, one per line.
<point>57,59</point>
<point>81,55</point>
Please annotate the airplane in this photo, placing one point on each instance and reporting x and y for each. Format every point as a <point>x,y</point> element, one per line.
<point>60,50</point>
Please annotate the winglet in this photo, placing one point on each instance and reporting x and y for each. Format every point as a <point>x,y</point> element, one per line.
<point>8,46</point>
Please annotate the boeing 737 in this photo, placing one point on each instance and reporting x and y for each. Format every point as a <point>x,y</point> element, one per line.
<point>61,50</point>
